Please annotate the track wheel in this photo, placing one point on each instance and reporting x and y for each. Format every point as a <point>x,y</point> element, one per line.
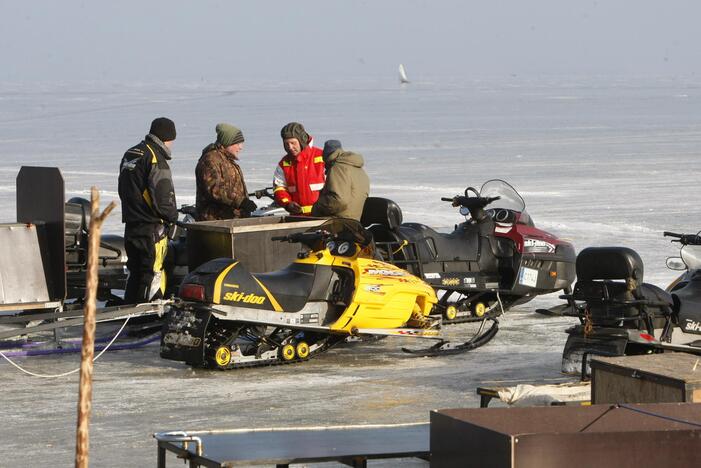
<point>287,352</point>
<point>451,312</point>
<point>479,308</point>
<point>302,349</point>
<point>223,356</point>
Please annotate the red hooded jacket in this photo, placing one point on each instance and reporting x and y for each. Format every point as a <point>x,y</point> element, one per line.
<point>300,179</point>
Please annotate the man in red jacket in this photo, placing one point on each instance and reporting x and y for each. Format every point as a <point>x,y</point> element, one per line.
<point>299,176</point>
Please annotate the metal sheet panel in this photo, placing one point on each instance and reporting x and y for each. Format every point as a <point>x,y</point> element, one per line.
<point>22,277</point>
<point>283,446</point>
<point>248,240</point>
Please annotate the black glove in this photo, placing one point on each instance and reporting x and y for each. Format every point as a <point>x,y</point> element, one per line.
<point>248,206</point>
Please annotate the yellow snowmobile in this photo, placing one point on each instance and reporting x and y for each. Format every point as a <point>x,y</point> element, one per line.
<point>227,317</point>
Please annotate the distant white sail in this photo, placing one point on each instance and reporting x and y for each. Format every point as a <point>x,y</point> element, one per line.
<point>402,74</point>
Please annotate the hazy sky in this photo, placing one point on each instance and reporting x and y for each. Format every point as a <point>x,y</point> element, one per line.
<point>129,40</point>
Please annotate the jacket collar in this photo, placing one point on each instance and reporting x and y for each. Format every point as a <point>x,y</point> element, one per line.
<point>157,141</point>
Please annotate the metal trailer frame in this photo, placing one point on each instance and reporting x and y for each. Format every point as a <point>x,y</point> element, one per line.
<point>349,445</point>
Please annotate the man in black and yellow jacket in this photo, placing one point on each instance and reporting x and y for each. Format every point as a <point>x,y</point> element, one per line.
<point>148,209</point>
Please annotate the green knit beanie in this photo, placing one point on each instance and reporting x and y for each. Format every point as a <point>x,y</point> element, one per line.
<point>228,135</point>
<point>295,130</point>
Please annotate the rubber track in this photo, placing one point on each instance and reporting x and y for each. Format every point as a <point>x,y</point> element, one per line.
<point>277,361</point>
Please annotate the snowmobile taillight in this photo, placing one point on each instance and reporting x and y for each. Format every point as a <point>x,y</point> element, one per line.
<point>193,292</point>
<point>647,337</point>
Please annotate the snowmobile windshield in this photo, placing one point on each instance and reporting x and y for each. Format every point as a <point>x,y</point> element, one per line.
<point>691,255</point>
<point>509,198</point>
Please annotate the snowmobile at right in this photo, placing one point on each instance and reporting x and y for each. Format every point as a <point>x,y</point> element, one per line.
<point>620,314</point>
<point>495,259</point>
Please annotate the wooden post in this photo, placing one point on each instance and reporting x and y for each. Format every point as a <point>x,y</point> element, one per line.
<point>82,442</point>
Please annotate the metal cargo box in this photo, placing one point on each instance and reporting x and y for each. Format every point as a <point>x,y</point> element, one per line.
<point>22,276</point>
<point>247,240</point>
<point>648,378</point>
<point>635,435</point>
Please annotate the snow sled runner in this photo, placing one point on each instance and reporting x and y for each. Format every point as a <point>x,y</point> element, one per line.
<point>227,317</point>
<point>496,259</point>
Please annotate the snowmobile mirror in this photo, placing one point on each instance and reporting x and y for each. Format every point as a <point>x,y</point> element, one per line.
<point>676,263</point>
<point>464,211</point>
<point>473,190</point>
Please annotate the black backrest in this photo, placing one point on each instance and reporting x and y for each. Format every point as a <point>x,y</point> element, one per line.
<point>609,263</point>
<point>40,198</point>
<point>381,211</point>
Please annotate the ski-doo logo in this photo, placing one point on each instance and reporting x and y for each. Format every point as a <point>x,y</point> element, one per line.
<point>692,325</point>
<point>179,339</point>
<point>243,297</point>
<point>450,281</point>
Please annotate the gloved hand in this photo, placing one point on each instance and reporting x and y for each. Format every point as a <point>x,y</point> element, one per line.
<point>248,205</point>
<point>294,208</point>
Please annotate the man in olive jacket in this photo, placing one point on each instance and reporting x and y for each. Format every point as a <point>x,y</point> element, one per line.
<point>347,185</point>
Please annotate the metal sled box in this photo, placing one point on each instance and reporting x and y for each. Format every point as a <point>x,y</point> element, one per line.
<point>247,239</point>
<point>648,378</point>
<point>567,436</point>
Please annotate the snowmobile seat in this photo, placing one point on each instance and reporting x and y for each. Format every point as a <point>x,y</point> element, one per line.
<point>381,211</point>
<point>297,284</point>
<point>462,245</point>
<point>610,281</point>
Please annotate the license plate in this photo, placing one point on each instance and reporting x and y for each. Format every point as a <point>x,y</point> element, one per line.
<point>528,277</point>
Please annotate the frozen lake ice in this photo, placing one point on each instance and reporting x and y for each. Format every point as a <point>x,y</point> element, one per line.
<point>598,161</point>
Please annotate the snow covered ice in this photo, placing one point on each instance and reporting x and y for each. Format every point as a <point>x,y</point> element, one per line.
<point>598,162</point>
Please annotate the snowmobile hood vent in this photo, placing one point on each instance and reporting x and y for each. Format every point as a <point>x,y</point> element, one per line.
<point>609,263</point>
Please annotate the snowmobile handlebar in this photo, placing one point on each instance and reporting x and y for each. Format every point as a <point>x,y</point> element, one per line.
<point>265,192</point>
<point>303,237</point>
<point>470,202</point>
<point>685,239</point>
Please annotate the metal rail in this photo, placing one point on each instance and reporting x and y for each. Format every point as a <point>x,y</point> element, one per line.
<point>73,318</point>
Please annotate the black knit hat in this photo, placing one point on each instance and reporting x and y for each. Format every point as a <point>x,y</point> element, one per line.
<point>295,130</point>
<point>163,128</point>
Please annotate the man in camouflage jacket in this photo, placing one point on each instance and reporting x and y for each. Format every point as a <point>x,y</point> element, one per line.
<point>221,190</point>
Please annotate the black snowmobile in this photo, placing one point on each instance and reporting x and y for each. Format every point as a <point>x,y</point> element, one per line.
<point>497,258</point>
<point>621,315</point>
